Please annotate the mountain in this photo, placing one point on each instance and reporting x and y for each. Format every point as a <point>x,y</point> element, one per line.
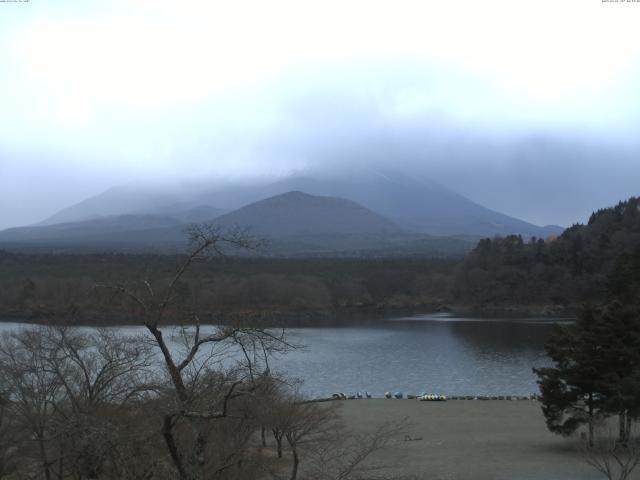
<point>418,203</point>
<point>187,213</point>
<point>114,231</point>
<point>298,213</point>
<point>293,223</point>
<point>299,224</point>
<point>410,201</point>
<point>119,200</point>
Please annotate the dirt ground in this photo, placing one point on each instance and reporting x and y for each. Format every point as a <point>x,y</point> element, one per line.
<point>470,439</point>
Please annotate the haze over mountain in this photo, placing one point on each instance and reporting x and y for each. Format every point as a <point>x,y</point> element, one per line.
<point>293,223</point>
<point>414,203</point>
<point>118,231</point>
<point>122,200</point>
<point>417,203</point>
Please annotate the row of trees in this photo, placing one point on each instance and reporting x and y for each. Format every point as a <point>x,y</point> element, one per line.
<point>47,286</point>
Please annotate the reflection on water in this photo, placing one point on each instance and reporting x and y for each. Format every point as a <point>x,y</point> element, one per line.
<point>431,353</point>
<point>437,353</point>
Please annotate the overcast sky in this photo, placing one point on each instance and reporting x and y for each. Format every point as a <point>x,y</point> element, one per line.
<point>530,108</point>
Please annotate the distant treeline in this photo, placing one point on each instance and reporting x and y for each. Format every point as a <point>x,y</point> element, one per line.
<point>63,286</point>
<point>499,274</point>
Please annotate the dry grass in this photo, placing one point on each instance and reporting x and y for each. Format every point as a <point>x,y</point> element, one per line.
<point>466,439</point>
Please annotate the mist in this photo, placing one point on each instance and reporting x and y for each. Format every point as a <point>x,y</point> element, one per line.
<point>541,127</point>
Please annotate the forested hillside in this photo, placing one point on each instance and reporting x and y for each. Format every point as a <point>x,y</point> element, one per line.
<point>568,269</point>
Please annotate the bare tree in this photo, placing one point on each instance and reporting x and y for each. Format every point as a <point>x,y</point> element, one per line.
<point>100,372</point>
<point>200,386</point>
<point>33,391</point>
<point>305,423</point>
<point>320,447</point>
<point>7,433</point>
<point>69,390</point>
<point>345,455</point>
<point>98,368</point>
<point>614,459</point>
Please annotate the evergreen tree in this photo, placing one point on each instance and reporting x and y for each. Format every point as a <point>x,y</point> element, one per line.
<point>618,333</point>
<point>620,338</point>
<point>596,372</point>
<point>624,280</point>
<point>571,391</point>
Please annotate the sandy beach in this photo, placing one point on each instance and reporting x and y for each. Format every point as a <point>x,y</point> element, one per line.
<point>470,439</point>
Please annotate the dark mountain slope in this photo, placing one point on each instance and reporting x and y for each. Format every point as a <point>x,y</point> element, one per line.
<point>298,213</point>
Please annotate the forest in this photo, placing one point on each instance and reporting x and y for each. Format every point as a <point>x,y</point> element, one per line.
<point>565,270</point>
<point>504,274</point>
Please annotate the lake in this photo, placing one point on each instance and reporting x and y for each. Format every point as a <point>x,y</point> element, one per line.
<point>435,353</point>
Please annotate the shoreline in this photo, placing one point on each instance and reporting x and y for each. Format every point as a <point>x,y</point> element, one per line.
<point>351,316</point>
<point>415,398</point>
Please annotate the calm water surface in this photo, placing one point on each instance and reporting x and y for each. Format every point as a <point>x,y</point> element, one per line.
<point>433,353</point>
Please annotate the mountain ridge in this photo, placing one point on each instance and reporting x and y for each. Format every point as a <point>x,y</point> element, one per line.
<point>412,202</point>
<point>294,223</point>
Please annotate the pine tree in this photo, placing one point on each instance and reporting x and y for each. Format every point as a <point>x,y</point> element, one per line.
<point>596,372</point>
<point>571,391</point>
<point>618,336</point>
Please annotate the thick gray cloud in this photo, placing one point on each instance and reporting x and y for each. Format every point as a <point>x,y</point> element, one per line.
<point>543,127</point>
